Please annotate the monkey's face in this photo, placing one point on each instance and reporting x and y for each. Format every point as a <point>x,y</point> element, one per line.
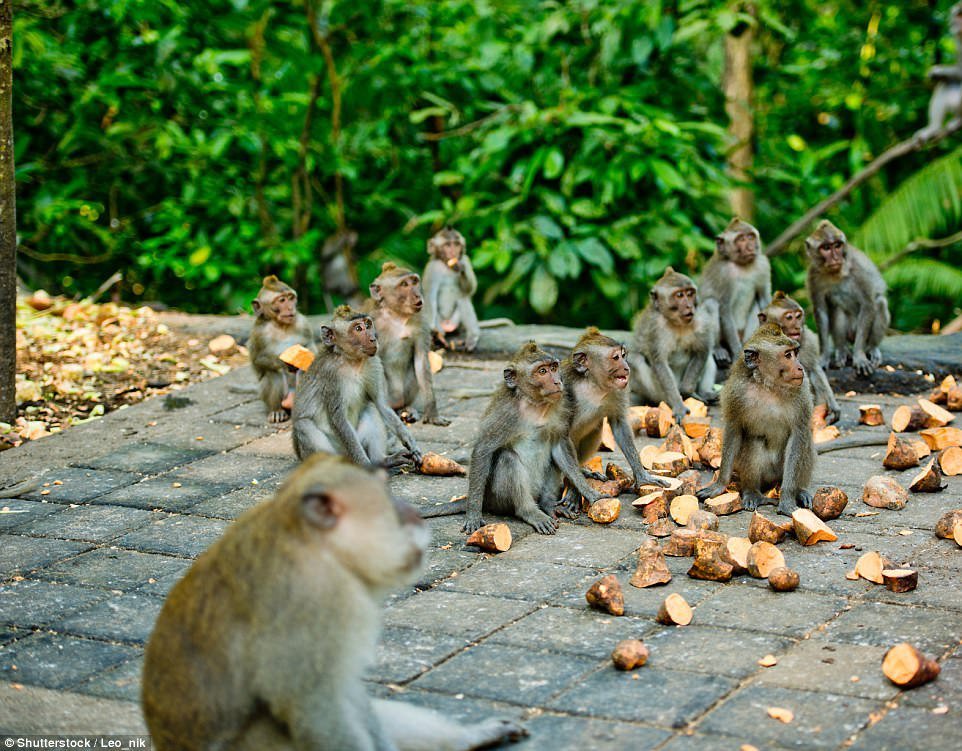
<point>790,370</point>
<point>681,304</point>
<point>405,298</point>
<point>450,253</point>
<point>831,254</point>
<point>284,308</point>
<point>745,248</point>
<point>791,321</point>
<point>545,380</point>
<point>617,367</point>
<point>361,336</point>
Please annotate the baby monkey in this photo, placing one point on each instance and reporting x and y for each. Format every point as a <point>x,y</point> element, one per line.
<point>767,410</point>
<point>449,284</point>
<point>277,326</point>
<point>265,643</point>
<point>790,317</point>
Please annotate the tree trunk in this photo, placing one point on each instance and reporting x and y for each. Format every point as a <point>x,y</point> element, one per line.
<point>738,87</point>
<point>8,223</point>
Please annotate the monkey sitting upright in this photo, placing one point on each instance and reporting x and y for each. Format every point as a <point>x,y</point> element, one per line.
<point>278,326</point>
<point>673,343</point>
<point>947,97</point>
<point>596,387</point>
<point>738,277</point>
<point>340,403</point>
<point>790,317</point>
<point>449,283</point>
<point>848,295</point>
<point>405,342</point>
<point>264,644</point>
<point>767,410</point>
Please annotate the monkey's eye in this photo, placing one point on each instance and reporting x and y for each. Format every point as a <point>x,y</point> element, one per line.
<point>542,370</point>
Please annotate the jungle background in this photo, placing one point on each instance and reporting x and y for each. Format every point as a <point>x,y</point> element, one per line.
<point>579,146</point>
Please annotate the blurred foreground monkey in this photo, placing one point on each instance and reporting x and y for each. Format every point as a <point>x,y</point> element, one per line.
<point>790,317</point>
<point>767,409</point>
<point>596,387</point>
<point>265,642</point>
<point>848,295</point>
<point>340,402</point>
<point>278,326</point>
<point>738,277</point>
<point>449,283</point>
<point>405,342</point>
<point>947,97</point>
<point>675,339</point>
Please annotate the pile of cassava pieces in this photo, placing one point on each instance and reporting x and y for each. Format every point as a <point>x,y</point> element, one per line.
<point>76,361</point>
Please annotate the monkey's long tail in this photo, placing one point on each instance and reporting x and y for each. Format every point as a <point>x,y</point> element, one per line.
<point>444,509</point>
<point>852,442</point>
<point>20,488</point>
<point>495,323</point>
<point>242,389</point>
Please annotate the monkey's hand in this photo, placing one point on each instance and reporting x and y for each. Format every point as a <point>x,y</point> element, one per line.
<point>646,478</point>
<point>435,419</point>
<point>752,499</point>
<point>409,414</point>
<point>710,398</point>
<point>569,507</point>
<point>787,504</point>
<point>722,356</point>
<point>680,413</point>
<point>716,488</point>
<point>591,475</point>
<point>471,523</point>
<point>862,365</point>
<point>831,416</point>
<point>279,415</point>
<point>399,459</point>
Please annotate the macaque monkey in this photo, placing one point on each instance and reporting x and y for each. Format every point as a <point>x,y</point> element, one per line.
<point>449,283</point>
<point>405,342</point>
<point>738,277</point>
<point>278,326</point>
<point>673,343</point>
<point>338,273</point>
<point>848,295</point>
<point>790,317</point>
<point>946,99</point>
<point>767,411</point>
<point>265,642</point>
<point>340,402</point>
<point>596,386</point>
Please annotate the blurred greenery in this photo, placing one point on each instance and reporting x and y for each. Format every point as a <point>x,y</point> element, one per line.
<point>579,146</point>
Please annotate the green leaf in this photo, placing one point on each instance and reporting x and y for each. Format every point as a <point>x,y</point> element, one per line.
<point>563,261</point>
<point>554,163</point>
<point>547,227</point>
<point>544,290</point>
<point>667,177</point>
<point>595,253</point>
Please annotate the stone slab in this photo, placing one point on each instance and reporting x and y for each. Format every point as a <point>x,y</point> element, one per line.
<point>710,650</point>
<point>552,732</point>
<point>80,485</point>
<point>883,624</point>
<point>113,568</point>
<point>87,523</point>
<point>525,580</point>
<point>15,512</point>
<point>175,534</point>
<point>757,609</point>
<point>32,603</point>
<point>145,458</point>
<point>403,654</point>
<point>121,683</point>
<point>167,493</point>
<point>56,661</point>
<point>127,617</point>
<point>22,554</point>
<point>30,710</point>
<point>575,545</point>
<point>911,727</point>
<point>457,613</point>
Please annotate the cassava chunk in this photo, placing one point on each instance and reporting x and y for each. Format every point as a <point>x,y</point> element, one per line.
<point>696,427</point>
<point>957,533</point>
<point>763,528</point>
<point>942,438</point>
<point>701,519</point>
<point>658,421</point>
<point>677,441</point>
<point>616,474</point>
<point>661,528</point>
<point>953,400</point>
<point>607,488</point>
<point>783,579</point>
<point>495,538</point>
<point>672,463</point>
<point>711,448</point>
<point>652,506</point>
<point>825,434</point>
<point>682,507</point>
<point>936,416</point>
<point>594,464</point>
<point>647,456</point>
<point>696,407</point>
<point>922,449</point>
<point>950,460</point>
<point>738,548</point>
<point>870,414</point>
<point>884,492</point>
<point>763,557</point>
<point>899,454</point>
<point>870,566</point>
<point>608,442</point>
<point>819,416</point>
<point>724,504</point>
<point>945,525</point>
<point>629,654</point>
<point>929,480</point>
<point>604,510</point>
<point>829,503</point>
<point>688,483</point>
<point>636,418</point>
<point>652,568</point>
<point>435,464</point>
<point>711,560</point>
<point>906,667</point>
<point>809,529</point>
<point>606,595</point>
<point>674,611</point>
<point>900,579</point>
<point>681,544</point>
<point>435,361</point>
<point>906,418</point>
<point>297,355</point>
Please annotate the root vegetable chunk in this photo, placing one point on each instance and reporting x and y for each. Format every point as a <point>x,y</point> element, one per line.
<point>683,507</point>
<point>946,524</point>
<point>899,454</point>
<point>900,579</point>
<point>606,595</point>
<point>629,654</point>
<point>298,356</point>
<point>870,566</point>
<point>652,568</point>
<point>724,504</point>
<point>647,456</point>
<point>661,528</point>
<point>906,667</point>
<point>763,528</point>
<point>495,538</point>
<point>809,529</point>
<point>942,438</point>
<point>906,418</point>
<point>617,474</point>
<point>929,480</point>
<point>701,519</point>
<point>682,543</point>
<point>672,463</point>
<point>696,427</point>
<point>826,434</point>
<point>870,414</point>
<point>738,548</point>
<point>435,464</point>
<point>711,448</point>
<point>829,503</point>
<point>711,561</point>
<point>674,611</point>
<point>936,416</point>
<point>763,558</point>
<point>605,510</point>
<point>783,579</point>
<point>884,492</point>
<point>950,460</point>
<point>658,421</point>
<point>652,506</point>
<point>953,400</point>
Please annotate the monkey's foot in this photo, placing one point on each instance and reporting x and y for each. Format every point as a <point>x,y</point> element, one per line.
<point>279,415</point>
<point>875,356</point>
<point>722,356</point>
<point>436,420</point>
<point>408,415</point>
<point>646,478</point>
<point>591,475</point>
<point>471,523</point>
<point>716,488</point>
<point>569,509</point>
<point>542,523</point>
<point>492,732</point>
<point>752,499</point>
<point>831,416</point>
<point>862,365</point>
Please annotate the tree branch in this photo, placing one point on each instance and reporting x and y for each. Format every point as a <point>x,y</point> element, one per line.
<point>920,244</point>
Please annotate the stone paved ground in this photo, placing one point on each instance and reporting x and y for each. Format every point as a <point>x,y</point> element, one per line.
<point>86,561</point>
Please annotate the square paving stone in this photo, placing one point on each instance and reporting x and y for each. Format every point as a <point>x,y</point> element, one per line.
<point>458,613</point>
<point>457,707</point>
<point>937,588</point>
<point>87,523</point>
<point>942,554</point>
<point>234,470</point>
<point>121,682</point>
<point>276,444</point>
<point>945,690</point>
<point>403,654</point>
<point>22,554</point>
<point>705,649</point>
<point>758,609</point>
<point>249,413</point>
<point>882,624</point>
<point>911,728</point>
<point>80,485</point>
<point>552,732</point>
<point>160,493</point>
<point>713,742</point>
<point>512,674</point>
<point>55,661</point>
<point>207,434</point>
<point>448,564</point>
<point>446,530</point>
<point>580,632</point>
<point>112,568</point>
<point>160,586</point>
<point>424,492</point>
<point>31,603</point>
<point>658,697</point>
<point>574,545</point>
<point>15,512</point>
<point>525,580</point>
<point>175,534</point>
<point>232,504</point>
<point>819,665</point>
<point>128,617</point>
<point>145,458</point>
<point>822,720</point>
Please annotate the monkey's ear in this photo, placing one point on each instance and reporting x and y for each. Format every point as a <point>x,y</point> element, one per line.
<point>751,358</point>
<point>327,334</point>
<point>653,296</point>
<point>580,361</point>
<point>511,378</point>
<point>376,292</point>
<point>321,509</point>
<point>762,318</point>
<point>256,305</point>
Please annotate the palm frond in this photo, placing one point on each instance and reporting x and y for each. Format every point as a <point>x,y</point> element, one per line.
<point>926,277</point>
<point>926,205</point>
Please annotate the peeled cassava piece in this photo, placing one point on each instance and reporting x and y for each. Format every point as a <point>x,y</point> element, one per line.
<point>942,438</point>
<point>884,492</point>
<point>298,356</point>
<point>683,507</point>
<point>763,558</point>
<point>906,418</point>
<point>724,504</point>
<point>929,480</point>
<point>950,460</point>
<point>605,510</point>
<point>658,421</point>
<point>899,454</point>
<point>606,595</point>
<point>629,654</point>
<point>674,611</point>
<point>495,538</point>
<point>906,667</point>
<point>871,565</point>
<point>652,568</point>
<point>435,464</point>
<point>809,529</point>
<point>763,528</point>
<point>652,506</point>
